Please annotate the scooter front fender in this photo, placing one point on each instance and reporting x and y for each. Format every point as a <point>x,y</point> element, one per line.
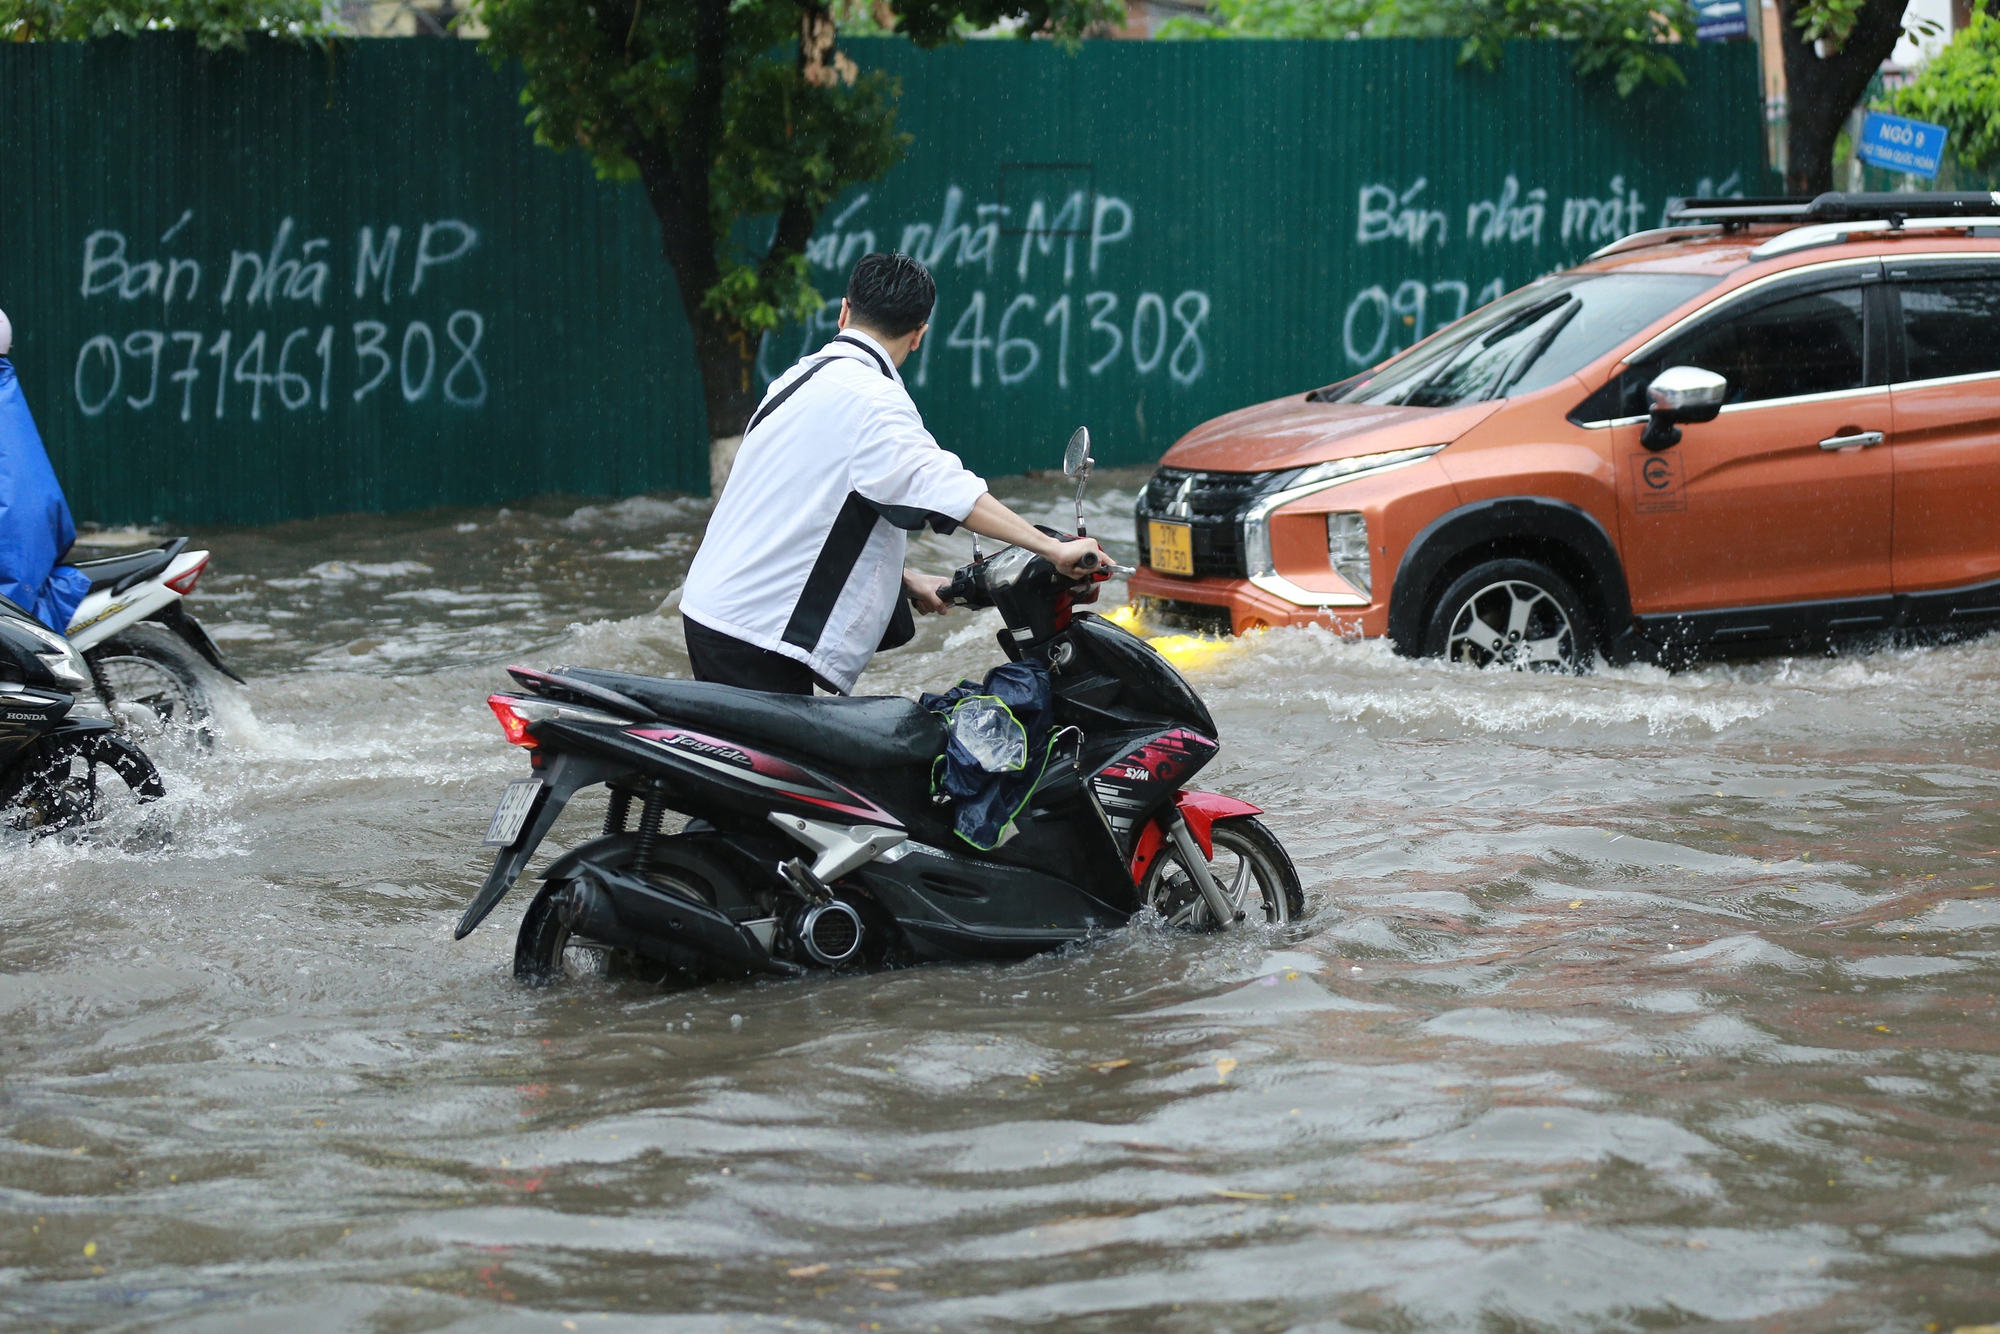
<point>1201,810</point>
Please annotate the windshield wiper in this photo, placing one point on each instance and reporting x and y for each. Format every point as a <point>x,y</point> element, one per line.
<point>1533,353</point>
<point>1416,394</point>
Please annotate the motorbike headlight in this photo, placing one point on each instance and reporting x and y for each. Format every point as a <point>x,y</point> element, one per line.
<point>59,656</point>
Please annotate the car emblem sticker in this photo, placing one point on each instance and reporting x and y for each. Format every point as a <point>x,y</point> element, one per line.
<point>1656,484</point>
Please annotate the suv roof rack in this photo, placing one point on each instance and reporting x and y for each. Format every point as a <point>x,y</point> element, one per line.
<point>1833,206</point>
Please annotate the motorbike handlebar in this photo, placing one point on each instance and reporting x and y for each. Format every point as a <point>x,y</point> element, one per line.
<point>969,586</point>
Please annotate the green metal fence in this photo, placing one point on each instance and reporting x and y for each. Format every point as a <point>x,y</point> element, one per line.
<point>258,286</point>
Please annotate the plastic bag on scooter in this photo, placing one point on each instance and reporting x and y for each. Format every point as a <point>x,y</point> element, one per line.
<point>998,747</point>
<point>35,525</point>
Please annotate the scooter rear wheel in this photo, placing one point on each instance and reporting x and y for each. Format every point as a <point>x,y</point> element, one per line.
<point>1249,864</point>
<point>546,951</point>
<point>154,686</point>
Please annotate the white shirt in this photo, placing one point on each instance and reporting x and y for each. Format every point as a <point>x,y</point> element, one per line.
<point>804,553</point>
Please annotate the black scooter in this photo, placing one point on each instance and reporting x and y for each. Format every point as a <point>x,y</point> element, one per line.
<point>815,840</point>
<point>50,758</point>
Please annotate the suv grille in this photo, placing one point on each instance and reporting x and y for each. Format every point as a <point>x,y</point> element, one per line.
<point>1215,501</point>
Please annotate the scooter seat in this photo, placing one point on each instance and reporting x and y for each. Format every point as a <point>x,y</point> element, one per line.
<point>875,732</point>
<point>121,572</point>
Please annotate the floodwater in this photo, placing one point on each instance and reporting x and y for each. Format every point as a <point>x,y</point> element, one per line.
<point>1630,1002</point>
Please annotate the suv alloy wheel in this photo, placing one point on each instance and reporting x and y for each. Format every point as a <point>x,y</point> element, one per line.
<point>1511,613</point>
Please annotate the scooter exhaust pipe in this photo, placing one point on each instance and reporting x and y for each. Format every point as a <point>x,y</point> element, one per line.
<point>830,933</point>
<point>617,909</point>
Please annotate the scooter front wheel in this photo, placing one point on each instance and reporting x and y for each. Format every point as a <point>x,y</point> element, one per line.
<point>1248,863</point>
<point>56,788</point>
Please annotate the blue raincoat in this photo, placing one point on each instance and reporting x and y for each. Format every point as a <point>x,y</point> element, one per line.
<point>35,526</point>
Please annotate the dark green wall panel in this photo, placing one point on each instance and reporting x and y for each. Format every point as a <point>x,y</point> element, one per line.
<point>1243,220</point>
<point>569,368</point>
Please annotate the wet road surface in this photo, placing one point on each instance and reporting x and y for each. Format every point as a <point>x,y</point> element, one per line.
<point>1632,1002</point>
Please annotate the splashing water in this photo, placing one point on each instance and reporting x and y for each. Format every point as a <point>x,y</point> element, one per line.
<point>1625,1001</point>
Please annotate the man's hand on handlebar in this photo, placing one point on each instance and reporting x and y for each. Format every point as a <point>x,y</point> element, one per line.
<point>926,592</point>
<point>1078,558</point>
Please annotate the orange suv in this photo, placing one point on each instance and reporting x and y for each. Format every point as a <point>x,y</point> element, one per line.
<point>1771,423</point>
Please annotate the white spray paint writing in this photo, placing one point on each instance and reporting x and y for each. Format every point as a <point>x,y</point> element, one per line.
<point>267,371</point>
<point>1382,318</point>
<point>1009,337</point>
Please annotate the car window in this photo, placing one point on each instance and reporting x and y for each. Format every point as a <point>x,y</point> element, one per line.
<point>1528,339</point>
<point>1804,345</point>
<point>1951,327</point>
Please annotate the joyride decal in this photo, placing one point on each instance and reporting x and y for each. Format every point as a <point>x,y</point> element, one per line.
<point>781,778</point>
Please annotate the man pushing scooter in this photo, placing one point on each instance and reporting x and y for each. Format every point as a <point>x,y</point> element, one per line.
<point>800,577</point>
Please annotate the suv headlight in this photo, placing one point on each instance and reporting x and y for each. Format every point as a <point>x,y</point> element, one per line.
<point>1257,520</point>
<point>1347,548</point>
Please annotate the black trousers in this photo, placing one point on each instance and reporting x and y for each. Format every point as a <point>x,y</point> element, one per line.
<point>728,660</point>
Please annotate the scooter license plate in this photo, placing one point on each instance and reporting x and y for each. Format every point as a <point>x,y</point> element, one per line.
<point>1170,547</point>
<point>515,803</point>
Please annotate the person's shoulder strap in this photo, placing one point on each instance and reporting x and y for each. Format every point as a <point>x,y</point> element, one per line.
<point>774,404</point>
<point>778,400</point>
<point>881,365</point>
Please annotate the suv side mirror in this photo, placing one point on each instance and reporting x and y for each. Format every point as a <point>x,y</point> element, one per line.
<point>1681,394</point>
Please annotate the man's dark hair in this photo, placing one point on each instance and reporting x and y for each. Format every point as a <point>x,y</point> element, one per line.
<point>891,294</point>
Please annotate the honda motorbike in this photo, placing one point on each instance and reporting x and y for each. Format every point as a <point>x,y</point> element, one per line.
<point>51,759</point>
<point>815,837</point>
<point>144,651</point>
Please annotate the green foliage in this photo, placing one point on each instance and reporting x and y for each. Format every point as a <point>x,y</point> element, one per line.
<point>1960,89</point>
<point>1624,36</point>
<point>758,114</point>
<point>1829,21</point>
<point>215,23</point>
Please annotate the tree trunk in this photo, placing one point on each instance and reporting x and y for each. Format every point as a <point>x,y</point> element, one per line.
<point>676,179</point>
<point>727,353</point>
<point>1820,92</point>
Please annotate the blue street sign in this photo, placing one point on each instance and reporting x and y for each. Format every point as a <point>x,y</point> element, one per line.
<point>1719,20</point>
<point>1899,144</point>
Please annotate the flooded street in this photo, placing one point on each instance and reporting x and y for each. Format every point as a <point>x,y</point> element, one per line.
<point>1638,1001</point>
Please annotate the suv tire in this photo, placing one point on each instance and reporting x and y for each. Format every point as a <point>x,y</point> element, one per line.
<point>1512,613</point>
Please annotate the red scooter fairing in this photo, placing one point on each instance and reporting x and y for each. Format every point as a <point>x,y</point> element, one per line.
<point>1140,777</point>
<point>1201,810</point>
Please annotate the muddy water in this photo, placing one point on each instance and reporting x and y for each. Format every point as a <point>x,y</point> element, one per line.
<point>1627,1002</point>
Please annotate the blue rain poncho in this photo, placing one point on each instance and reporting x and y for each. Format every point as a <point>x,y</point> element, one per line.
<point>998,748</point>
<point>35,525</point>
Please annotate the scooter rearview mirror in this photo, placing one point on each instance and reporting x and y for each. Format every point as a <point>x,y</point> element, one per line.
<point>1076,457</point>
<point>1077,463</point>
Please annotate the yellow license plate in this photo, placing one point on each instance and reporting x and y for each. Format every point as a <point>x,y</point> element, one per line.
<point>1170,547</point>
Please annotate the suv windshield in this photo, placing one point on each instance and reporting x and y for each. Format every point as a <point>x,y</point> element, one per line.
<point>1528,339</point>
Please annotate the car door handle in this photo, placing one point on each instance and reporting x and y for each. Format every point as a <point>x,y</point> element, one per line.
<point>1862,438</point>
